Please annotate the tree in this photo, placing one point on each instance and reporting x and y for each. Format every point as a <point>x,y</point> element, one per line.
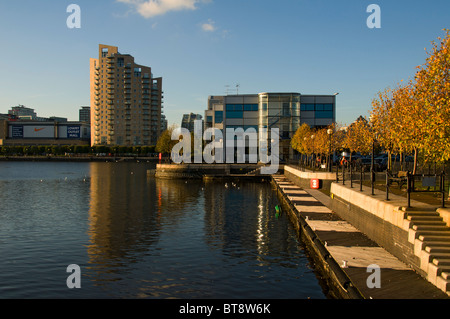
<point>359,137</point>
<point>165,143</point>
<point>432,91</point>
<point>298,142</point>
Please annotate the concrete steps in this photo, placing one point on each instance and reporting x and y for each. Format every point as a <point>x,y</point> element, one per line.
<point>431,238</point>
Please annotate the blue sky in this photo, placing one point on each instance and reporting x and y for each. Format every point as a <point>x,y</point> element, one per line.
<point>201,46</point>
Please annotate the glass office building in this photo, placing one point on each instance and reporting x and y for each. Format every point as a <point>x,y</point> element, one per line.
<point>283,111</point>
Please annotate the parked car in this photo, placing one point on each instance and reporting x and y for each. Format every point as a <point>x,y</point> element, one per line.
<point>366,162</point>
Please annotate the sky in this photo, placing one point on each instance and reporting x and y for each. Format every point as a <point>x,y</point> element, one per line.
<point>207,47</point>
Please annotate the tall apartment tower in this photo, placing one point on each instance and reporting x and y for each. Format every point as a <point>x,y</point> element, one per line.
<point>126,101</point>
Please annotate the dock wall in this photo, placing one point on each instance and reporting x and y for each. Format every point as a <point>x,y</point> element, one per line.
<point>383,222</point>
<point>303,179</point>
<point>337,284</point>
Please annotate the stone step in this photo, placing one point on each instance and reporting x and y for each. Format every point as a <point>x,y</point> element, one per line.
<point>436,244</point>
<point>424,218</point>
<point>428,223</point>
<point>446,275</point>
<point>441,261</point>
<point>433,250</point>
<point>425,235</point>
<point>426,260</point>
<point>423,213</point>
<point>430,227</point>
<point>430,238</point>
<point>443,284</point>
<point>437,233</point>
<point>434,272</point>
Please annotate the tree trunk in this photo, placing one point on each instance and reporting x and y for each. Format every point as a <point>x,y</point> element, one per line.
<point>415,161</point>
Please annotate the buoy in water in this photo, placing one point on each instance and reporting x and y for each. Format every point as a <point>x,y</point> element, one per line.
<point>277,211</point>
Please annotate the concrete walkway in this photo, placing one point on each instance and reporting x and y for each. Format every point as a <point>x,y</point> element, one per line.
<point>355,252</point>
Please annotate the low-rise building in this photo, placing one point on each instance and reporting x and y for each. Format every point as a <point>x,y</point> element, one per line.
<point>44,133</point>
<point>283,111</point>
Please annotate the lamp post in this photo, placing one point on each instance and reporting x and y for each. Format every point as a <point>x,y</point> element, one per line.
<point>313,159</point>
<point>330,163</point>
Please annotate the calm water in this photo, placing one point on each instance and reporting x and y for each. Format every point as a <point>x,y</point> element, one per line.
<point>139,237</point>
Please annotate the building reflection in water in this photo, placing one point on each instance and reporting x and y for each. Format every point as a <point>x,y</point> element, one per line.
<point>240,220</point>
<point>129,211</point>
<point>170,230</point>
<point>121,213</point>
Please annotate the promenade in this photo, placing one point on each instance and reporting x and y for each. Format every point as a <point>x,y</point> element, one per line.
<point>339,243</point>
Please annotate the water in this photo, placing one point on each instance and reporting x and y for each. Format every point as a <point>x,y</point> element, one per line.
<point>135,236</point>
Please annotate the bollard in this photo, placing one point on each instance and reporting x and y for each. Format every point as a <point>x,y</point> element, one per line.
<point>343,174</point>
<point>408,182</point>
<point>361,179</point>
<point>351,176</point>
<point>387,185</point>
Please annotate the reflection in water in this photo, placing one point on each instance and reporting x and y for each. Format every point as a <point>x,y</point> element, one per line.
<point>135,236</point>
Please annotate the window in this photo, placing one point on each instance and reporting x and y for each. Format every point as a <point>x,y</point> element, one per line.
<point>286,111</point>
<point>324,114</point>
<point>219,117</point>
<point>250,107</point>
<point>120,62</point>
<point>137,71</point>
<point>328,107</point>
<point>307,107</point>
<point>235,114</point>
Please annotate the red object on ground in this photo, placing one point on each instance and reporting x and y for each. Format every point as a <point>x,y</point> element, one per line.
<point>315,184</point>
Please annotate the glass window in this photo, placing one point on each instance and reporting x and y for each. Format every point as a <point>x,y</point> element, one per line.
<point>324,114</point>
<point>328,107</point>
<point>319,107</point>
<point>235,115</point>
<point>307,107</point>
<point>250,107</point>
<point>286,111</point>
<point>219,117</point>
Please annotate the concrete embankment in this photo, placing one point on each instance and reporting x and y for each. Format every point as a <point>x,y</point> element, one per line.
<point>76,159</point>
<point>353,264</point>
<point>210,171</point>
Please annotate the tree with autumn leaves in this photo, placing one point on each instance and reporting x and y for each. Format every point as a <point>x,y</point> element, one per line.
<point>415,117</point>
<point>317,141</point>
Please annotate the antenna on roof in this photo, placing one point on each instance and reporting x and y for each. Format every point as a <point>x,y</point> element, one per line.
<point>227,90</point>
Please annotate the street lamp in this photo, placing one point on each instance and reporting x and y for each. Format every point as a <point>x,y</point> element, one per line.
<point>330,164</point>
<point>313,159</point>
